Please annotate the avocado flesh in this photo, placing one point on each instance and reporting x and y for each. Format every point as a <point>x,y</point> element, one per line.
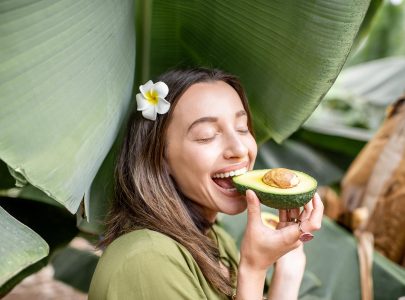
<point>277,197</point>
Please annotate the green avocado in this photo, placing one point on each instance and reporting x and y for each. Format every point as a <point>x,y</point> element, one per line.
<point>280,198</point>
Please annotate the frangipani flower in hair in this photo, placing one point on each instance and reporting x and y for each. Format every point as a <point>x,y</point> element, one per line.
<point>151,100</point>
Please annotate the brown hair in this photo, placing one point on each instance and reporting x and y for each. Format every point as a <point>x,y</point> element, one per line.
<point>146,196</point>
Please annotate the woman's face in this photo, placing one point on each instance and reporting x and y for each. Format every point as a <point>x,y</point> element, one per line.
<point>208,137</point>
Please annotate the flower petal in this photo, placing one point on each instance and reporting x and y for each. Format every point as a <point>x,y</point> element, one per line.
<point>146,87</point>
<point>141,102</point>
<point>161,88</point>
<point>150,113</point>
<point>163,106</point>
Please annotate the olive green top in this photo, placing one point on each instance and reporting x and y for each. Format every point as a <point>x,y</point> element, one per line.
<point>145,264</point>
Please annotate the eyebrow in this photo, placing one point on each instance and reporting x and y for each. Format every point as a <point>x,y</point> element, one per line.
<point>213,119</point>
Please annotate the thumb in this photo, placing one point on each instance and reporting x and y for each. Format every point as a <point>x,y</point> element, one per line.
<point>253,208</point>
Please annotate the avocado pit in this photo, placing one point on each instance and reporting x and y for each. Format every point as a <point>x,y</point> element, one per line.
<point>281,178</point>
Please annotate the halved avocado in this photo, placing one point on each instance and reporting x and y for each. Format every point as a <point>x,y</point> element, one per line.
<point>280,198</point>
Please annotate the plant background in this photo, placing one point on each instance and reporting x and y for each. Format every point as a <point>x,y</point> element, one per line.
<point>67,89</point>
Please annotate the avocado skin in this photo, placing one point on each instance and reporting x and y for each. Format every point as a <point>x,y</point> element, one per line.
<point>279,201</point>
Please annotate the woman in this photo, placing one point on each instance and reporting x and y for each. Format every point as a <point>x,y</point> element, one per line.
<point>162,239</point>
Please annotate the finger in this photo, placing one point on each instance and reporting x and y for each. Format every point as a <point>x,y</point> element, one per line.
<point>282,215</point>
<point>253,208</point>
<point>294,214</point>
<point>315,220</point>
<point>282,218</point>
<point>306,213</point>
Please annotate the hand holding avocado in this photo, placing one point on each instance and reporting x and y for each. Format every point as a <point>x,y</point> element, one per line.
<point>262,246</point>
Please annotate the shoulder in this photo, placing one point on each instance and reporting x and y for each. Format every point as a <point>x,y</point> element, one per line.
<point>141,239</point>
<point>146,264</point>
<point>143,243</point>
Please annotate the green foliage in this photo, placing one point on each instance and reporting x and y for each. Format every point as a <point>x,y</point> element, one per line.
<point>75,267</point>
<point>355,106</point>
<point>46,226</point>
<point>6,180</point>
<point>386,37</point>
<point>20,248</point>
<point>373,9</point>
<point>335,141</point>
<point>53,223</point>
<point>287,53</point>
<point>373,77</point>
<point>14,280</point>
<point>67,73</point>
<point>65,84</point>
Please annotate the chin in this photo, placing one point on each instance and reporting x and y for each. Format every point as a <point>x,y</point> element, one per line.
<point>236,207</point>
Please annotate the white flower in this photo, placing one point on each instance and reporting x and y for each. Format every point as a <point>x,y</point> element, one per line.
<point>151,100</point>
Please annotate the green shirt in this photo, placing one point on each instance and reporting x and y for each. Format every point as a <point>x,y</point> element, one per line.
<point>145,264</point>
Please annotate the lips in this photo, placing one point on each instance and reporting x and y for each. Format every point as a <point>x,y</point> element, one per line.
<point>231,168</point>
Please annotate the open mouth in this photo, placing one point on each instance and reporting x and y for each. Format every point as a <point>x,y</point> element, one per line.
<point>225,183</point>
<point>224,180</point>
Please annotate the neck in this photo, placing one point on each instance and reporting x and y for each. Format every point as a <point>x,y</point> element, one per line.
<point>210,216</point>
<point>202,219</point>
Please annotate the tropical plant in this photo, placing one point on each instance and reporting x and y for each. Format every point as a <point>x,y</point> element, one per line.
<point>385,34</point>
<point>372,78</point>
<point>67,78</point>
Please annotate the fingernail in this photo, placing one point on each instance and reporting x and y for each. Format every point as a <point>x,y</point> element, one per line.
<point>306,237</point>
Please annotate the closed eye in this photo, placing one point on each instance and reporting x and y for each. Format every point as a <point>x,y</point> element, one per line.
<point>243,131</point>
<point>205,140</point>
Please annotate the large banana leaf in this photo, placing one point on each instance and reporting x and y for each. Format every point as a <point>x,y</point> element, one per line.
<point>66,77</point>
<point>368,23</point>
<point>287,53</point>
<point>386,35</point>
<point>96,202</point>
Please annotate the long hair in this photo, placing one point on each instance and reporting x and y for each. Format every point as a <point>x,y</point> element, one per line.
<point>146,196</point>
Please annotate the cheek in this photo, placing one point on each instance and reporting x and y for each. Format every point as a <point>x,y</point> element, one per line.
<point>188,164</point>
<point>191,176</point>
<point>252,146</point>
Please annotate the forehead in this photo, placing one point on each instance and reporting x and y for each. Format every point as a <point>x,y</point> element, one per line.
<point>203,99</point>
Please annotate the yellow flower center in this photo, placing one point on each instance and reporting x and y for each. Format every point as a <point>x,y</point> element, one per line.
<point>152,97</point>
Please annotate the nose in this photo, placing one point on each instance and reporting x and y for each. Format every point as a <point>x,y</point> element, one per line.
<point>235,147</point>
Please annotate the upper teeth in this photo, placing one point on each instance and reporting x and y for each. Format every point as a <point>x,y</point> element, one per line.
<point>231,173</point>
